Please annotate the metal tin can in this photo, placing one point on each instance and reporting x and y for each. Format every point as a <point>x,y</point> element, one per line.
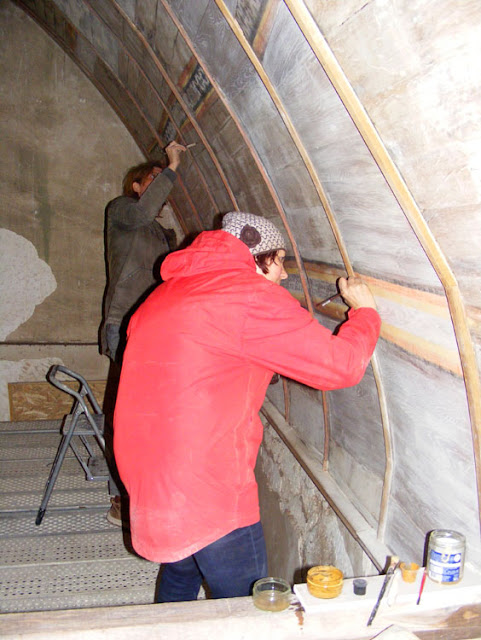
<point>446,551</point>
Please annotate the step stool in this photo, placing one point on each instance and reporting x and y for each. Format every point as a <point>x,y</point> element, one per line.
<point>81,423</point>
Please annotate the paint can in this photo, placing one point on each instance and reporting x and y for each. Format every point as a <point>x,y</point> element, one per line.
<point>446,551</point>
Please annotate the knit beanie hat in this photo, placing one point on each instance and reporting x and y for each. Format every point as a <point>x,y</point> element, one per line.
<point>259,234</point>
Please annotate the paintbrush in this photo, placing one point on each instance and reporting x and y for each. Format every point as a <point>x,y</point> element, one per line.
<point>393,565</point>
<point>328,300</point>
<point>187,146</point>
<point>423,580</point>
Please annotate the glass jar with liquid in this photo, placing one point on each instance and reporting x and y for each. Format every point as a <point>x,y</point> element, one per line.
<point>446,551</point>
<point>271,594</point>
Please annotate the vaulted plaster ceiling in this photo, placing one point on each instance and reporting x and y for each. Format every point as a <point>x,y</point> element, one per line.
<point>355,126</point>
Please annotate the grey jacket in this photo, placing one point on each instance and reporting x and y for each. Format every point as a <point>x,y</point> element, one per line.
<point>135,245</point>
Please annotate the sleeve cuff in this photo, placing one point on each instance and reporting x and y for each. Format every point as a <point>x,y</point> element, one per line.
<point>168,173</point>
<point>371,314</point>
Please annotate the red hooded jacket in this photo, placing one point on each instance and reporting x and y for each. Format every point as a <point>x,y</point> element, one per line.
<point>201,351</point>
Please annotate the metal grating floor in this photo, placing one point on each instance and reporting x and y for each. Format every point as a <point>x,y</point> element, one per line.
<point>75,558</point>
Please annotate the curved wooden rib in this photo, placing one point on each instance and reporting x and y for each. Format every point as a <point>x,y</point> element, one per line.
<point>233,24</point>
<point>335,229</point>
<point>181,102</point>
<point>159,141</point>
<point>389,454</point>
<point>255,156</point>
<point>402,194</point>
<point>180,218</point>
<point>287,400</point>
<point>93,6</point>
<point>327,432</point>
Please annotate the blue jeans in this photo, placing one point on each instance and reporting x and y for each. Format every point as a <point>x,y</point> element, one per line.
<point>230,566</point>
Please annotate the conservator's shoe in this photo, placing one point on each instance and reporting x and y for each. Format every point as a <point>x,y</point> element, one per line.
<point>114,514</point>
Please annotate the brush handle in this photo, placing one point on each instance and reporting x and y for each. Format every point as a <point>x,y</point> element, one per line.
<point>389,573</point>
<point>381,593</point>
<point>423,580</point>
<point>328,300</point>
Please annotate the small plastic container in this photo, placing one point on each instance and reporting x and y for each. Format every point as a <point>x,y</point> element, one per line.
<point>359,586</point>
<point>324,581</point>
<point>271,594</point>
<point>409,571</point>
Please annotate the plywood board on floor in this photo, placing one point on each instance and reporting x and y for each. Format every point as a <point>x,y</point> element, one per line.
<point>43,401</point>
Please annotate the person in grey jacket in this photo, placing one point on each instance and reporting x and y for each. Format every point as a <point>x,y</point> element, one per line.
<point>135,243</point>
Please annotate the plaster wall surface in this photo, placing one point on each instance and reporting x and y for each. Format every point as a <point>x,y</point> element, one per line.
<point>301,528</point>
<point>63,153</point>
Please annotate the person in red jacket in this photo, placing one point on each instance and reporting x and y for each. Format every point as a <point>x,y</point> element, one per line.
<point>201,351</point>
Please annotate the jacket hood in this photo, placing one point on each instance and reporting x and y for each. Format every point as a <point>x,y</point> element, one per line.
<point>210,251</point>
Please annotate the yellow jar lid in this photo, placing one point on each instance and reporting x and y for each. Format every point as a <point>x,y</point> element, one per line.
<point>324,575</point>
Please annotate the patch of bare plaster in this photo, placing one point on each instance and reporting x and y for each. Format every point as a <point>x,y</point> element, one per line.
<point>25,281</point>
<point>319,532</point>
<point>21,371</point>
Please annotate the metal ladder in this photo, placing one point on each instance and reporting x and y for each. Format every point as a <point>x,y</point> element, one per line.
<point>82,422</point>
